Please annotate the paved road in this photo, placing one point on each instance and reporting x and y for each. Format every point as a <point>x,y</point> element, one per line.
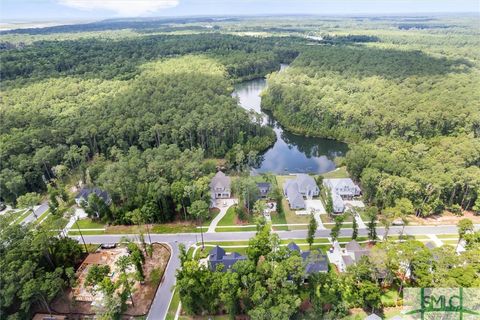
<point>37,213</point>
<point>164,294</point>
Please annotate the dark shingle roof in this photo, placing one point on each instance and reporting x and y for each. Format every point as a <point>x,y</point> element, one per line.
<point>293,246</point>
<point>315,262</point>
<point>218,256</point>
<point>263,187</point>
<point>85,192</point>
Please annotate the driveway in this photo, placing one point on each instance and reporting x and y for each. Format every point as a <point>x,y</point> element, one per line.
<point>164,293</point>
<point>220,204</point>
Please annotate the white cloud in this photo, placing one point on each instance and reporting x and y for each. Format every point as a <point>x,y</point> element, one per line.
<point>130,8</point>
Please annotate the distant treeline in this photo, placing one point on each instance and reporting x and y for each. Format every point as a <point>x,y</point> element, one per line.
<point>118,59</point>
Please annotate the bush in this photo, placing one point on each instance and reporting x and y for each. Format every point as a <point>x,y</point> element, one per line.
<point>240,212</point>
<point>456,210</point>
<point>156,276</point>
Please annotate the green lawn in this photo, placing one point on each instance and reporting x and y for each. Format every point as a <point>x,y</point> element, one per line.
<point>20,216</point>
<point>304,241</point>
<point>172,309</point>
<point>173,228</point>
<point>337,173</point>
<point>229,218</point>
<point>225,243</point>
<point>41,217</point>
<point>389,298</point>
<point>89,224</point>
<point>278,219</point>
<point>86,233</point>
<point>220,229</point>
<point>447,236</point>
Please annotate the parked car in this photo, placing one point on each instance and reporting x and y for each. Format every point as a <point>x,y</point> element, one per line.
<point>2,206</point>
<point>224,203</point>
<point>398,222</point>
<point>108,245</point>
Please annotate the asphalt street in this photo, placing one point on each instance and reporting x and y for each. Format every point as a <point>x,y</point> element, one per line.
<point>37,213</point>
<point>164,293</point>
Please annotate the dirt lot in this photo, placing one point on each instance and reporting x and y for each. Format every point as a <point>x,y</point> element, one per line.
<point>142,297</point>
<point>445,218</point>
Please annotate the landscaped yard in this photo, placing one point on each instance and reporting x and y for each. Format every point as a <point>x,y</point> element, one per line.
<point>278,219</point>
<point>225,229</point>
<point>337,173</point>
<point>229,218</point>
<point>89,224</point>
<point>20,216</point>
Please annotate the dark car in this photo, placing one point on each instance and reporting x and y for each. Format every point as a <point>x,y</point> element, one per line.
<point>2,206</point>
<point>108,245</point>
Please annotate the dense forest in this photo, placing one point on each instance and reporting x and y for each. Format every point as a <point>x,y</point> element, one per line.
<point>411,114</point>
<point>243,57</point>
<point>184,102</point>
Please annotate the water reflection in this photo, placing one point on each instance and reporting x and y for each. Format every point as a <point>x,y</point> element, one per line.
<point>291,153</point>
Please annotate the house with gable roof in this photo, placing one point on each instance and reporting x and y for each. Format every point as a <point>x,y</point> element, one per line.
<point>313,262</point>
<point>340,190</point>
<point>82,196</point>
<point>220,186</point>
<point>344,257</point>
<point>218,256</point>
<point>295,190</point>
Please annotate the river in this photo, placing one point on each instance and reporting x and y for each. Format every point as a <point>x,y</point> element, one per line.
<point>291,153</point>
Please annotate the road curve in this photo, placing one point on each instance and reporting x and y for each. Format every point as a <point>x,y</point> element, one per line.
<point>164,293</point>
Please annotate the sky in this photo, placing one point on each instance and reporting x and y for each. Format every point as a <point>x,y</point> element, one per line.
<point>45,10</point>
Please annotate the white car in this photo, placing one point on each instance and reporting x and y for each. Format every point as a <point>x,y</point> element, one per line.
<point>224,203</point>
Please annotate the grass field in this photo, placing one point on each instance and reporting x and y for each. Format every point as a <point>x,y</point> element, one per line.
<point>20,216</point>
<point>229,218</point>
<point>172,309</point>
<point>88,224</point>
<point>337,173</point>
<point>220,229</point>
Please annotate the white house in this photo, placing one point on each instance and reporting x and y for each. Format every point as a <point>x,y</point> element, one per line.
<point>296,189</point>
<point>345,187</point>
<point>340,190</point>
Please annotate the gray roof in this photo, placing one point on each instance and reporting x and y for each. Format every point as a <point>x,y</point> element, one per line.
<point>353,246</point>
<point>218,256</point>
<point>86,192</point>
<point>430,245</point>
<point>220,181</point>
<point>359,254</point>
<point>305,182</point>
<point>294,197</point>
<point>264,188</point>
<point>338,204</point>
<point>348,260</point>
<point>315,262</point>
<point>342,186</point>
<point>293,246</point>
<point>373,316</point>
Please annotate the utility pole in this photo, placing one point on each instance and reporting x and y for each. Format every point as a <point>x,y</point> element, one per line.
<point>81,235</point>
